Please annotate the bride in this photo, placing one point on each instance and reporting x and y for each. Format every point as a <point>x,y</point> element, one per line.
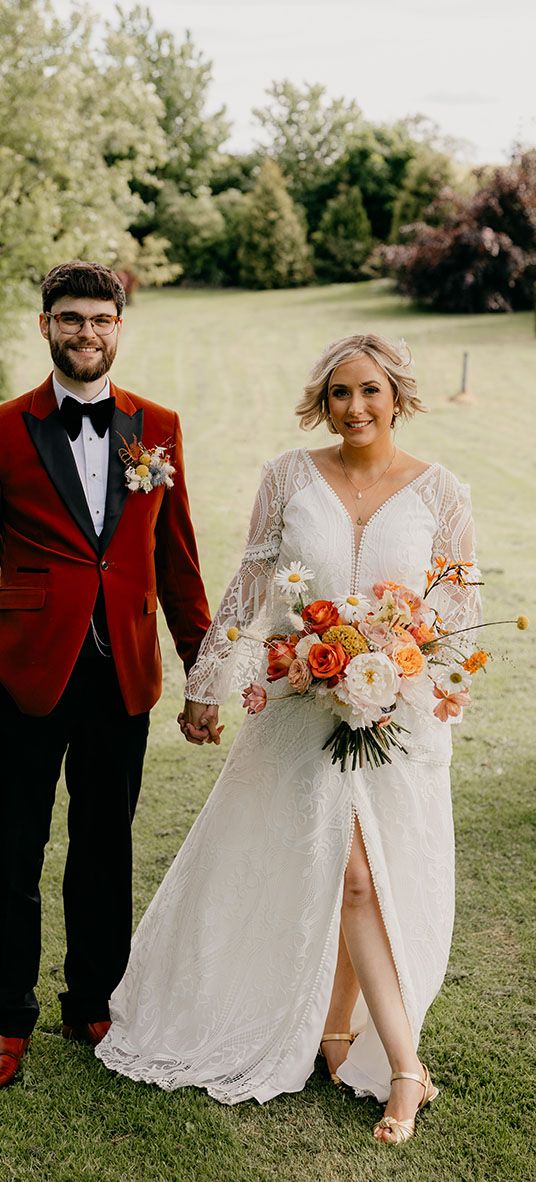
<point>308,903</point>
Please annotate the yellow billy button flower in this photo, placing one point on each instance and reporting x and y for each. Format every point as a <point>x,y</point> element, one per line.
<point>233,634</point>
<point>142,470</point>
<point>522,622</point>
<point>351,640</point>
<point>145,459</point>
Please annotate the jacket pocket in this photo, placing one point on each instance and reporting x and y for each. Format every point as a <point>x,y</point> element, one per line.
<point>28,599</point>
<point>151,602</point>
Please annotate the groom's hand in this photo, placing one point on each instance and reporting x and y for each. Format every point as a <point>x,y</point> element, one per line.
<point>199,723</point>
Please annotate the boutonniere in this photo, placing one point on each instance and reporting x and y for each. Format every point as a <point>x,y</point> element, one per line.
<point>146,467</point>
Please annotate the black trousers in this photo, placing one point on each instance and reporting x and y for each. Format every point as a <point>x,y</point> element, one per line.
<point>104,749</point>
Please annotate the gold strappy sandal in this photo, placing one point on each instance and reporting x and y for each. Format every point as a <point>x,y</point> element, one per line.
<point>402,1130</point>
<point>335,1038</point>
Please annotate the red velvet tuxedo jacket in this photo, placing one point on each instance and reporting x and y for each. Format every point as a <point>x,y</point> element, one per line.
<point>52,561</point>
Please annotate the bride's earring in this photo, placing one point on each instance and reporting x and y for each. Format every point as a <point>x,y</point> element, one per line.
<point>396,413</point>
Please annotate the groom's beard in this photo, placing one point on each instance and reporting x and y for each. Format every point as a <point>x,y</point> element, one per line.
<point>79,366</point>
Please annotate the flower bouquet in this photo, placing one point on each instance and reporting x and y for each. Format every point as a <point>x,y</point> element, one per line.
<point>361,657</point>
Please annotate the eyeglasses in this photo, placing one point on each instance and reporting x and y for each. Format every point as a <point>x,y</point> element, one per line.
<point>72,322</point>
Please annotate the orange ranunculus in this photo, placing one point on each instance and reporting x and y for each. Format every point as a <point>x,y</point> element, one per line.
<point>327,660</point>
<point>321,614</point>
<point>385,585</point>
<point>421,633</point>
<point>409,659</point>
<point>476,661</point>
<point>403,633</point>
<point>280,658</point>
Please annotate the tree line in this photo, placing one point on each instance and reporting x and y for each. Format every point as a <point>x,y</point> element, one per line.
<point>109,150</point>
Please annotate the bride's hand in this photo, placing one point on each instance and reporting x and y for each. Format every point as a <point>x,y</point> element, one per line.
<point>199,723</point>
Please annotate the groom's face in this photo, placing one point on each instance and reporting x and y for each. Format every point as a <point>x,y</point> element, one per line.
<point>87,355</point>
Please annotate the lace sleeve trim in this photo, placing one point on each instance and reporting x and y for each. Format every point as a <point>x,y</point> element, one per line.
<point>450,503</point>
<point>222,665</point>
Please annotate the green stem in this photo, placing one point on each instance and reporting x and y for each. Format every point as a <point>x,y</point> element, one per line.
<point>458,631</point>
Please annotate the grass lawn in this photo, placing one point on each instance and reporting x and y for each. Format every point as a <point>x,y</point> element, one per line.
<point>233,364</point>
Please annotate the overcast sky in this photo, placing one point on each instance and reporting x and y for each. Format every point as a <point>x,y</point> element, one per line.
<point>470,65</point>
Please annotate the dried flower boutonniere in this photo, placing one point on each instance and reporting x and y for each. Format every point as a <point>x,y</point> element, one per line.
<point>147,467</point>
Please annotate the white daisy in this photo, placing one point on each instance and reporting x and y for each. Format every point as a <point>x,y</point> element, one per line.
<point>353,608</point>
<point>293,579</point>
<point>453,679</point>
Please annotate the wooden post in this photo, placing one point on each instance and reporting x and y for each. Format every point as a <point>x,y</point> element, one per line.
<point>463,394</point>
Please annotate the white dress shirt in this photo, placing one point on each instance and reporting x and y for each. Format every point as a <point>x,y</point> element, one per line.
<point>91,455</point>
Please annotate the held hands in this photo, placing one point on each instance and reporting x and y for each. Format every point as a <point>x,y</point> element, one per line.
<point>199,723</point>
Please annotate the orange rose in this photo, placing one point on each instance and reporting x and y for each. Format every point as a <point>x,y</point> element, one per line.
<point>321,614</point>
<point>327,660</point>
<point>409,659</point>
<point>280,658</point>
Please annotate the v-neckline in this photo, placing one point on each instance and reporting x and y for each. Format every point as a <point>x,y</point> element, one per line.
<point>358,545</point>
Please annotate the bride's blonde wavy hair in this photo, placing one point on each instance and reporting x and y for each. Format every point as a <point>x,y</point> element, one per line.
<point>395,360</point>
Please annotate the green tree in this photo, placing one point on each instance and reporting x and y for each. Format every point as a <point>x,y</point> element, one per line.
<point>377,161</point>
<point>231,203</point>
<point>181,78</point>
<point>307,135</point>
<point>426,175</point>
<point>194,227</point>
<point>273,250</point>
<point>343,239</point>
<point>77,130</point>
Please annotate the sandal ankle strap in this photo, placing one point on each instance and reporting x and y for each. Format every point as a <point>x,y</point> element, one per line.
<point>337,1038</point>
<point>408,1075</point>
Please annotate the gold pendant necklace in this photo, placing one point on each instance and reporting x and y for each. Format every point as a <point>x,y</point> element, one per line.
<point>358,492</point>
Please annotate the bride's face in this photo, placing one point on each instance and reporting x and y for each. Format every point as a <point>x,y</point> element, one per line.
<point>360,401</point>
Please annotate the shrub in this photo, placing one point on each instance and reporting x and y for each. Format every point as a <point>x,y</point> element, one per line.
<point>343,239</point>
<point>273,251</point>
<point>481,257</point>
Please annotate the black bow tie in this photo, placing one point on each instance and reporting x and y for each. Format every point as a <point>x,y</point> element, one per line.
<point>100,413</point>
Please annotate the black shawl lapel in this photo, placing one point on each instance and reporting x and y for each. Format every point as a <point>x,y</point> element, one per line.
<point>51,440</point>
<point>123,426</point>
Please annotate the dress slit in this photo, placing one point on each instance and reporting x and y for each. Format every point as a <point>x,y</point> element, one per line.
<point>359,826</point>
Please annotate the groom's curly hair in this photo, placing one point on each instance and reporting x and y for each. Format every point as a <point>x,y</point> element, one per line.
<point>79,279</point>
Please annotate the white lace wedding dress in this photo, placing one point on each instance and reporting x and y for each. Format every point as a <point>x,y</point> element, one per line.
<point>231,970</point>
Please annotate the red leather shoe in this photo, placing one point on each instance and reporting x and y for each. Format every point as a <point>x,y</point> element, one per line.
<point>11,1052</point>
<point>91,1032</point>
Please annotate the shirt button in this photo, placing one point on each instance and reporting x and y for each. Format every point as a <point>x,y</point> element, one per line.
<point>104,564</point>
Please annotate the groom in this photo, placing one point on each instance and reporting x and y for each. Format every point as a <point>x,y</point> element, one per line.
<point>84,560</point>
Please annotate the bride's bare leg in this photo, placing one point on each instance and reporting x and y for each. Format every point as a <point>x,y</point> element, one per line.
<point>343,999</point>
<point>372,959</point>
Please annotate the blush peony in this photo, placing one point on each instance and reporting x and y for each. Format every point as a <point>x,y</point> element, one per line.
<point>371,677</point>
